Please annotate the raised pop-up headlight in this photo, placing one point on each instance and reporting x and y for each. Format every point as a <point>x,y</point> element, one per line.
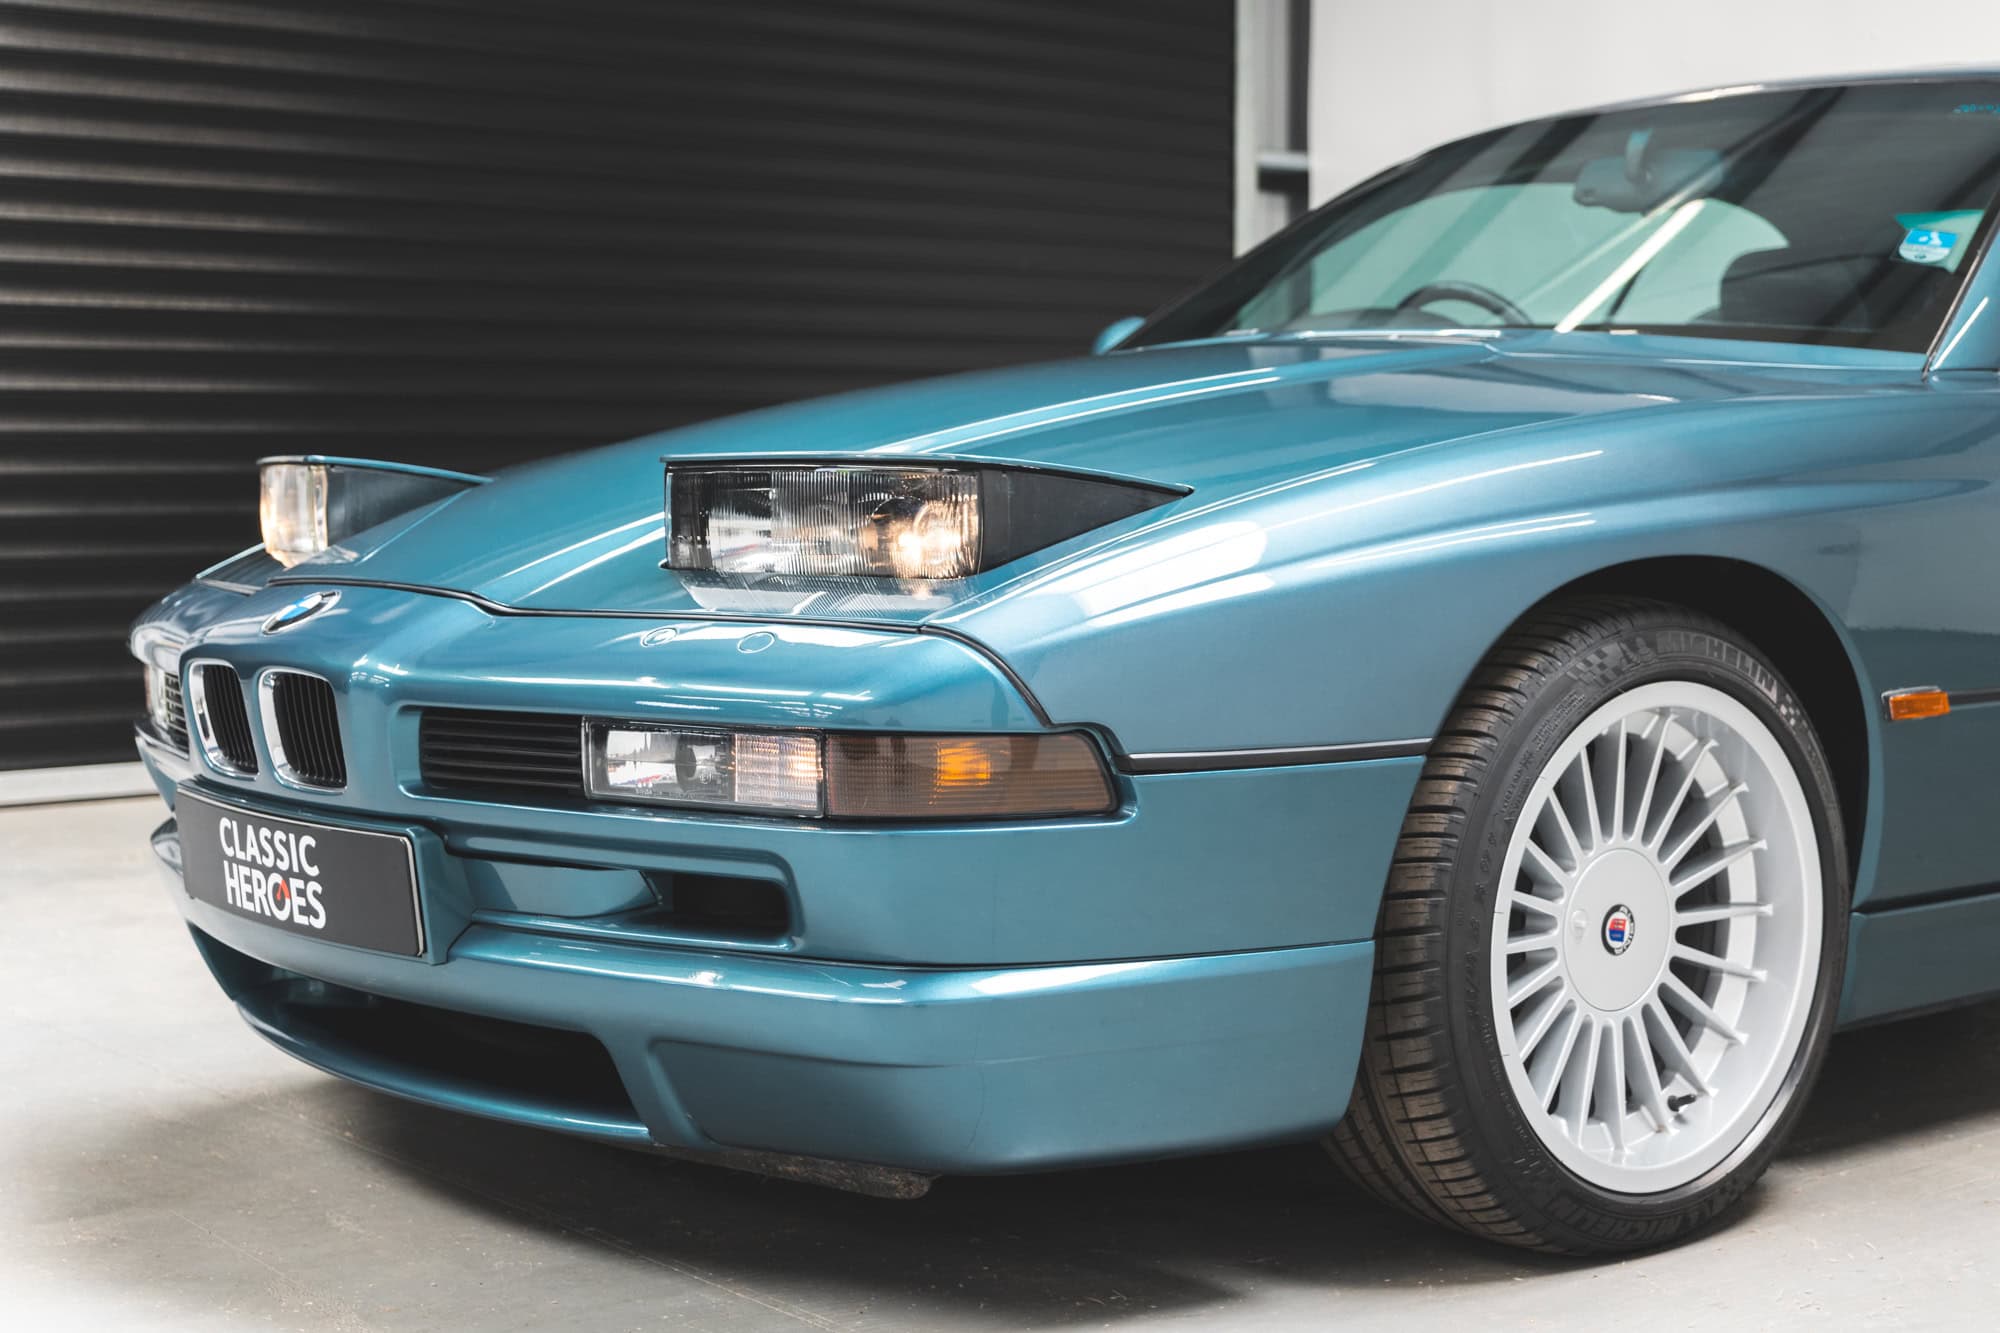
<point>310,505</point>
<point>848,775</point>
<point>291,505</point>
<point>901,522</point>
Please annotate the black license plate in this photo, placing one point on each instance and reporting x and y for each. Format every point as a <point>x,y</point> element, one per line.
<point>341,885</point>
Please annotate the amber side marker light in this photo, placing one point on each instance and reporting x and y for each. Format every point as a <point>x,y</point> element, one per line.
<point>1914,705</point>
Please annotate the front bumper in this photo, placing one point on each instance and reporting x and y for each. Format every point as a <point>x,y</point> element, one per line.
<point>935,1070</point>
<point>1190,972</point>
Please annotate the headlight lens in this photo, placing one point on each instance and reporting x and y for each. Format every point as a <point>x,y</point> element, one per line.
<point>734,770</point>
<point>291,506</point>
<point>913,524</point>
<point>902,522</point>
<point>849,775</point>
<point>309,505</point>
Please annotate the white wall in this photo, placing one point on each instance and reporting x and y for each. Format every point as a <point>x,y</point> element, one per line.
<point>1394,77</point>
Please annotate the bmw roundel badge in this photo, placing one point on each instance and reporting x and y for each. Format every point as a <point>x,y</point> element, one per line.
<point>303,609</point>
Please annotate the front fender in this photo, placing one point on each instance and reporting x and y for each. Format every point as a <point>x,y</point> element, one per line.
<point>1350,607</point>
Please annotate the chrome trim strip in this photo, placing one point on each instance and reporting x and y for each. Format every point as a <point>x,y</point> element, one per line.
<point>1215,761</point>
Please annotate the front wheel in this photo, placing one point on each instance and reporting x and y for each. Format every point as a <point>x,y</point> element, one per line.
<point>1611,944</point>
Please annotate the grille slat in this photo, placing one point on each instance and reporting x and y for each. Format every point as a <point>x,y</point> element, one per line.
<point>228,716</point>
<point>473,751</point>
<point>464,749</point>
<point>542,725</point>
<point>308,726</point>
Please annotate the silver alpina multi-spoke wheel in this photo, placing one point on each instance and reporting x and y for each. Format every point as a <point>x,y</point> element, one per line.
<point>1611,940</point>
<point>1654,955</point>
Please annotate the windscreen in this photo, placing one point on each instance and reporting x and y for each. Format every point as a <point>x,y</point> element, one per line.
<point>1845,215</point>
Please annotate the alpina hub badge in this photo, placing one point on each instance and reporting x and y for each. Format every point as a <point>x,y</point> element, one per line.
<point>304,608</point>
<point>1618,929</point>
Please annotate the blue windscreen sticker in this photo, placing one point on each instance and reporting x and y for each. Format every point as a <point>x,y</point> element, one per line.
<point>1924,245</point>
<point>1937,239</point>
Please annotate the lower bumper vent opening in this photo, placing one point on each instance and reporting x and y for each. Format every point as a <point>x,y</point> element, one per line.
<point>431,1053</point>
<point>723,905</point>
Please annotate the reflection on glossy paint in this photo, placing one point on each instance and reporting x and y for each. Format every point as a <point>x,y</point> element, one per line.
<point>1461,537</point>
<point>1410,492</point>
<point>1077,409</point>
<point>1243,585</point>
<point>1184,560</point>
<point>1050,978</point>
<point>656,535</point>
<point>761,691</point>
<point>591,540</point>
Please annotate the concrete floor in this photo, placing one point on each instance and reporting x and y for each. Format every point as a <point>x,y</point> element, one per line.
<point>161,1167</point>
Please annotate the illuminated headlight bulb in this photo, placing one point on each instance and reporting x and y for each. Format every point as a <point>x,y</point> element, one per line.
<point>926,539</point>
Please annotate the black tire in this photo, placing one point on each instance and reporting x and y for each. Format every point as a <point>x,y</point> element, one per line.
<point>1433,1126</point>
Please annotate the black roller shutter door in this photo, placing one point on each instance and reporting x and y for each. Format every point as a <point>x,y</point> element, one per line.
<point>471,233</point>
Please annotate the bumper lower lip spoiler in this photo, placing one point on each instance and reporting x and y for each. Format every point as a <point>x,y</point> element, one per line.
<point>1210,761</point>
<point>880,1182</point>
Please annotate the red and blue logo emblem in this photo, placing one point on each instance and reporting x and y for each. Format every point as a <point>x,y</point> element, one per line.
<point>1618,929</point>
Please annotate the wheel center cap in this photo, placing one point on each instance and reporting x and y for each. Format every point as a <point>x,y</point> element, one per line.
<point>1617,930</point>
<point>1620,929</point>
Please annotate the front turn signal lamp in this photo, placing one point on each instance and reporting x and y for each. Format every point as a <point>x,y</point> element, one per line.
<point>307,506</point>
<point>848,775</point>
<point>965,777</point>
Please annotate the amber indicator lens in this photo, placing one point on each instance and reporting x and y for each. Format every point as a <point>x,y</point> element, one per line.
<point>964,777</point>
<point>1912,705</point>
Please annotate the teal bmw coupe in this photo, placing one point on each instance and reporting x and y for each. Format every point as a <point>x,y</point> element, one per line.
<point>1492,682</point>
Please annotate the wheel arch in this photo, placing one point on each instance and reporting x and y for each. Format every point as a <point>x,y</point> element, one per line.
<point>1801,639</point>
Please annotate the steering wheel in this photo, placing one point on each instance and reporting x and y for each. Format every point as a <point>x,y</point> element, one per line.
<point>1472,293</point>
